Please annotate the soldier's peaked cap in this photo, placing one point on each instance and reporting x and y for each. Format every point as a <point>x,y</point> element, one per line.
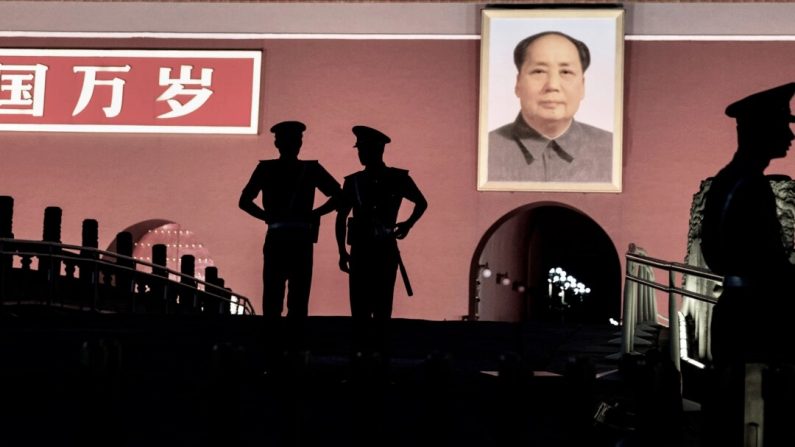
<point>772,104</point>
<point>288,127</point>
<point>366,134</point>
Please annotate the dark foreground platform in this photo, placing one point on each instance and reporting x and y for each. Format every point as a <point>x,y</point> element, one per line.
<point>71,379</point>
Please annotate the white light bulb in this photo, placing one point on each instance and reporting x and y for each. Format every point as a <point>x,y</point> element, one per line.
<point>486,273</point>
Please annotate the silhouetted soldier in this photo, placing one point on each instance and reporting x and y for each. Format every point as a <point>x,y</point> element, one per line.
<point>742,240</point>
<point>288,188</point>
<point>374,195</point>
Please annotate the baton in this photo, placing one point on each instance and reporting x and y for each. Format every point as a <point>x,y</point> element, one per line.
<point>403,273</point>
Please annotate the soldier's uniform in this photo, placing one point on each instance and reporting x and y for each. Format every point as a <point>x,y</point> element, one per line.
<point>288,192</point>
<point>742,241</point>
<point>288,196</point>
<point>742,238</point>
<point>374,196</point>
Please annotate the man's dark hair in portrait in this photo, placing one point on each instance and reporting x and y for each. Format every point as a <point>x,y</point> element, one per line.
<point>374,196</point>
<point>287,186</point>
<point>742,241</point>
<point>545,142</point>
<point>520,52</point>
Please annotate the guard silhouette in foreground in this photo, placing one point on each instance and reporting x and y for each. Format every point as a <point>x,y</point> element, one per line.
<point>374,196</point>
<point>742,240</point>
<point>287,186</point>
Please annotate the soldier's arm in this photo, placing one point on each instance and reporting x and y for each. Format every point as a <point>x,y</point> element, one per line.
<point>414,195</point>
<point>329,206</point>
<point>248,195</point>
<point>331,188</point>
<point>340,232</point>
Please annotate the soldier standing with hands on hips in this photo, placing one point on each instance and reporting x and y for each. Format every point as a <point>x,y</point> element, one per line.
<point>288,186</point>
<point>374,196</point>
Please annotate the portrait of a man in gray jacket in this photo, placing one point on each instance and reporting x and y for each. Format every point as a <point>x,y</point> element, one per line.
<point>546,143</point>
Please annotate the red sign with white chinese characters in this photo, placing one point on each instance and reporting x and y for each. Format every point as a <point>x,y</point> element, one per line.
<point>130,91</point>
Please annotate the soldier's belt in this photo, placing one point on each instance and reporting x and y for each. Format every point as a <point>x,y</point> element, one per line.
<point>289,225</point>
<point>367,230</point>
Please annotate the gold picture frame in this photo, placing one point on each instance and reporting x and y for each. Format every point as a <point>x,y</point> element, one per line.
<point>587,155</point>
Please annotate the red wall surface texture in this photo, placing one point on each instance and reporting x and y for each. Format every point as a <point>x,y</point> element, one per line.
<point>424,94</point>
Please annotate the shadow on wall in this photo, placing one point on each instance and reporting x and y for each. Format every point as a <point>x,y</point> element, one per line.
<point>517,253</point>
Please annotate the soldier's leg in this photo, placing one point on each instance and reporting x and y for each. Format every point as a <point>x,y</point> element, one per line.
<point>273,280</point>
<point>299,284</point>
<point>724,399</point>
<point>274,276</point>
<point>382,310</point>
<point>360,280</point>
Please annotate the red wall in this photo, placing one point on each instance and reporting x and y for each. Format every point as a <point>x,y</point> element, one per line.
<point>424,95</point>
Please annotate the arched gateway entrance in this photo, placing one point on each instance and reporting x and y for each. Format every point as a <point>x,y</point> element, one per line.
<point>510,269</point>
<point>178,240</point>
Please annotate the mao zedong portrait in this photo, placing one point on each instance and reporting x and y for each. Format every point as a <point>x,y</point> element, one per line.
<point>546,143</point>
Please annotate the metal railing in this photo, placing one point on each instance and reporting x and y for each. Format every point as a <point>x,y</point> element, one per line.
<point>69,276</point>
<point>671,288</point>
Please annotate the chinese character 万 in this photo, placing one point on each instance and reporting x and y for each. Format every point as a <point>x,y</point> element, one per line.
<point>177,87</point>
<point>90,81</point>
<point>24,97</point>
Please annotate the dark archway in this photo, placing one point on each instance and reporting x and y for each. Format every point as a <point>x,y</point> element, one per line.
<point>526,243</point>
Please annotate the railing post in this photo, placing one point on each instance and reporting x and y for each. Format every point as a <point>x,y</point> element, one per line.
<point>51,269</point>
<point>211,303</point>
<point>94,285</point>
<point>6,216</point>
<point>124,281</point>
<point>187,294</point>
<point>673,320</point>
<point>158,299</point>
<point>754,408</point>
<point>6,260</point>
<point>87,274</point>
<point>228,296</point>
<point>226,306</point>
<point>89,237</point>
<point>628,325</point>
